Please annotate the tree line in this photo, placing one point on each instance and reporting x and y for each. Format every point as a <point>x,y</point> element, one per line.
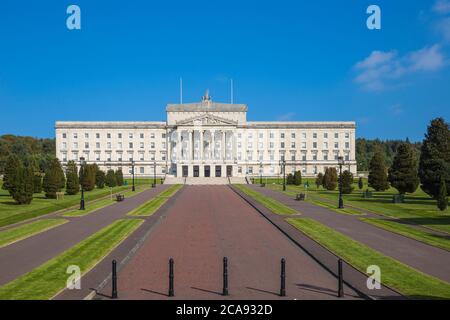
<point>429,167</point>
<point>22,181</point>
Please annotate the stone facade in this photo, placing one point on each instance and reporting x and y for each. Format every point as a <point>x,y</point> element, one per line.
<point>208,139</point>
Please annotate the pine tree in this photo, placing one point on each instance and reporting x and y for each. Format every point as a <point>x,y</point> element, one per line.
<point>37,183</point>
<point>442,200</point>
<point>12,164</point>
<point>87,177</point>
<point>110,179</point>
<point>119,177</point>
<point>72,183</point>
<point>434,163</point>
<point>347,181</point>
<point>23,185</point>
<point>100,179</point>
<point>54,176</point>
<point>290,179</point>
<point>403,172</point>
<point>330,179</point>
<point>319,180</point>
<point>298,178</point>
<point>360,183</point>
<point>378,179</point>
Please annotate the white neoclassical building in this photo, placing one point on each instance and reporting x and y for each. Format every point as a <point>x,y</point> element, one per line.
<point>208,139</point>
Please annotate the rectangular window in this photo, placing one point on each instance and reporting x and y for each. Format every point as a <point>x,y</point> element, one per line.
<point>303,145</point>
<point>97,135</point>
<point>260,145</point>
<point>314,145</point>
<point>282,145</point>
<point>293,135</point>
<point>141,170</point>
<point>271,145</point>
<point>347,157</point>
<point>282,135</point>
<point>163,135</point>
<point>347,135</point>
<point>141,145</point>
<point>303,156</point>
<point>119,135</point>
<point>108,145</point>
<point>325,135</point>
<point>325,156</point>
<point>64,145</point>
<point>97,145</point>
<point>152,156</point>
<point>119,145</point>
<point>271,135</point>
<point>261,135</point>
<point>75,135</point>
<point>315,156</point>
<point>64,136</point>
<point>97,156</point>
<point>303,135</point>
<point>86,145</point>
<point>325,145</point>
<point>75,145</point>
<point>130,136</point>
<point>86,135</point>
<point>152,145</point>
<point>347,145</point>
<point>314,135</point>
<point>293,145</point>
<point>108,135</point>
<point>108,156</point>
<point>336,135</point>
<point>336,145</point>
<point>152,135</point>
<point>141,136</point>
<point>130,145</point>
<point>141,157</point>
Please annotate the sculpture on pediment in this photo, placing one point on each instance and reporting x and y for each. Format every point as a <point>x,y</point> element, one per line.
<point>206,97</point>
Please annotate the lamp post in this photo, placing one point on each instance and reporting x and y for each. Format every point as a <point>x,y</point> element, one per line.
<point>82,164</point>
<point>154,174</point>
<point>341,163</point>
<point>133,188</point>
<point>283,168</point>
<point>260,172</point>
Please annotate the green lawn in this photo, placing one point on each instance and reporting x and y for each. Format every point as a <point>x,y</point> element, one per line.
<point>411,232</point>
<point>10,236</point>
<point>418,208</point>
<point>150,207</point>
<point>49,279</point>
<point>99,204</point>
<point>271,204</point>
<point>406,280</point>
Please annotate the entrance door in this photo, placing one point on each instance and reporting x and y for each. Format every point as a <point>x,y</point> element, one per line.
<point>185,171</point>
<point>207,171</point>
<point>229,171</point>
<point>218,171</point>
<point>196,171</point>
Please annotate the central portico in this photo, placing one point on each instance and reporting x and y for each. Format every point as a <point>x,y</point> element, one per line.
<point>202,138</point>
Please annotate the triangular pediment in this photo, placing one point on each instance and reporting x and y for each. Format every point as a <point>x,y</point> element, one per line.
<point>207,120</point>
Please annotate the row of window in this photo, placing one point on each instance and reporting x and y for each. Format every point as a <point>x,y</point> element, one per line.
<point>293,135</point>
<point>314,157</point>
<point>249,170</point>
<point>98,145</point>
<point>293,145</point>
<point>109,135</point>
<point>108,157</point>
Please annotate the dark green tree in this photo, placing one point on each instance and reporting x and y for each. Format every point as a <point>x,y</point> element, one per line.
<point>73,183</point>
<point>403,172</point>
<point>297,178</point>
<point>23,185</point>
<point>119,177</point>
<point>12,164</point>
<point>434,163</point>
<point>378,178</point>
<point>22,192</point>
<point>347,182</point>
<point>330,179</point>
<point>442,200</point>
<point>100,179</point>
<point>360,183</point>
<point>87,176</point>
<point>290,179</point>
<point>53,178</point>
<point>37,183</point>
<point>319,180</point>
<point>110,179</point>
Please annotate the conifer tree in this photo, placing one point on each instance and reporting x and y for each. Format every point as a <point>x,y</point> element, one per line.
<point>119,177</point>
<point>347,181</point>
<point>52,182</point>
<point>434,163</point>
<point>330,179</point>
<point>37,183</point>
<point>23,185</point>
<point>110,179</point>
<point>100,179</point>
<point>297,178</point>
<point>12,164</point>
<point>319,180</point>
<point>72,183</point>
<point>442,200</point>
<point>403,172</point>
<point>378,178</point>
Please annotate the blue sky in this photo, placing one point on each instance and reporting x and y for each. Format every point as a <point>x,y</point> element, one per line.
<point>290,60</point>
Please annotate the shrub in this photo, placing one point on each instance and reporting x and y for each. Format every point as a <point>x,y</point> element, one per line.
<point>330,179</point>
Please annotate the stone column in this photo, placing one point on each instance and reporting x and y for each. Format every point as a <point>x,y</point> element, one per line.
<point>213,144</point>
<point>223,144</point>
<point>191,147</point>
<point>201,145</point>
<point>178,146</point>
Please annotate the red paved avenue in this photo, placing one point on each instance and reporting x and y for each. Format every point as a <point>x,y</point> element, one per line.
<point>205,224</point>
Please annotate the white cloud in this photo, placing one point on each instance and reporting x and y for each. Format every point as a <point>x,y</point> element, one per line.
<point>380,69</point>
<point>442,6</point>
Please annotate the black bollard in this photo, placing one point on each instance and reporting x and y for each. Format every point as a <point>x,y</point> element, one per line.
<point>171,291</point>
<point>283,278</point>
<point>114,280</point>
<point>225,276</point>
<point>340,280</point>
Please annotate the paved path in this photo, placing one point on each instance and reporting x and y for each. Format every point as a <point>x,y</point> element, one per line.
<point>203,225</point>
<point>418,255</point>
<point>25,255</point>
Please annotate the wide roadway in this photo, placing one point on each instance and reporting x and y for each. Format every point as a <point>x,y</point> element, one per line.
<point>205,224</point>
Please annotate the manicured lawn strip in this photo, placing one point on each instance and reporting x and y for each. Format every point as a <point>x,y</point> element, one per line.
<point>271,204</point>
<point>442,242</point>
<point>150,207</point>
<point>406,280</point>
<point>46,281</point>
<point>96,205</point>
<point>10,236</point>
<point>11,213</point>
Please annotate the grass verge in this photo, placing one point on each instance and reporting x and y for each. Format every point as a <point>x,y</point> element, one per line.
<point>271,204</point>
<point>150,207</point>
<point>406,280</point>
<point>10,236</point>
<point>49,279</point>
<point>432,239</point>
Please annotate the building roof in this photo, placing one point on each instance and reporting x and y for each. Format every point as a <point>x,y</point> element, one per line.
<point>206,106</point>
<point>109,124</point>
